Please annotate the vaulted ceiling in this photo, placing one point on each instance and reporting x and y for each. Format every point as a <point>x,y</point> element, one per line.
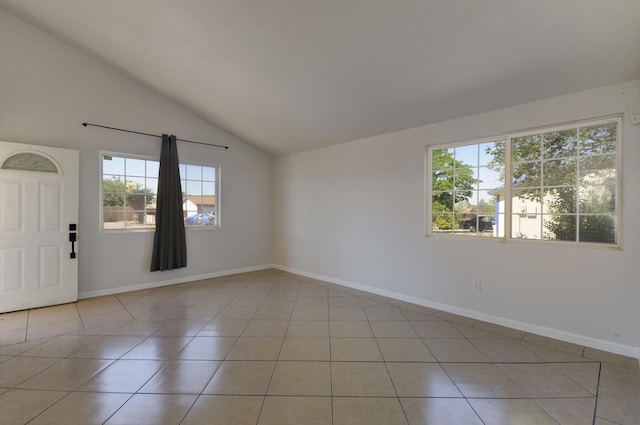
<point>293,75</point>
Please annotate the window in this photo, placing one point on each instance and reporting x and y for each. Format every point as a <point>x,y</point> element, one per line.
<point>130,185</point>
<point>561,185</point>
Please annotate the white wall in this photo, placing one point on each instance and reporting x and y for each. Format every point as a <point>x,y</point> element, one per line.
<point>47,89</point>
<point>354,212</point>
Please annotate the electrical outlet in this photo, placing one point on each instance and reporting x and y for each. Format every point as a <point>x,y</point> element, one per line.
<point>476,285</point>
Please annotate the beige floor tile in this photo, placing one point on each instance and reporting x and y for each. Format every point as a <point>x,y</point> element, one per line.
<point>153,409</point>
<point>383,313</point>
<point>65,375</point>
<point>256,348</point>
<point>361,379</point>
<point>13,321</point>
<point>13,337</point>
<point>274,312</point>
<point>506,412</point>
<point>439,411</point>
<point>392,329</point>
<point>308,328</point>
<point>476,333</point>
<point>542,381</point>
<point>199,311</point>
<point>305,349</point>
<point>82,409</point>
<point>20,406</point>
<point>181,377</point>
<point>15,371</point>
<point>501,330</point>
<point>454,350</point>
<point>129,297</point>
<point>182,327</point>
<point>123,376</point>
<point>313,291</point>
<point>157,348</point>
<point>350,328</point>
<point>600,421</point>
<point>99,305</point>
<point>301,378</point>
<point>241,378</point>
<point>17,349</point>
<point>367,411</point>
<point>266,328</point>
<point>247,300</point>
<point>620,379</point>
<point>53,329</point>
<point>355,349</point>
<point>576,411</point>
<point>551,355</point>
<point>404,350</point>
<point>141,327</point>
<point>455,318</point>
<point>615,359</point>
<point>47,315</point>
<point>554,344</point>
<point>347,313</point>
<point>584,374</point>
<point>108,347</point>
<point>207,348</point>
<point>505,350</point>
<point>312,302</point>
<point>310,313</point>
<point>346,301</point>
<point>62,346</point>
<point>618,407</point>
<point>482,380</point>
<point>236,391</point>
<point>296,411</point>
<point>224,410</point>
<point>224,327</point>
<point>421,380</point>
<point>418,313</point>
<point>114,318</point>
<point>435,329</point>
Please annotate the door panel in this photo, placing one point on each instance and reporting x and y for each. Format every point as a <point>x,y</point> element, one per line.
<point>12,271</point>
<point>11,207</point>
<point>35,212</point>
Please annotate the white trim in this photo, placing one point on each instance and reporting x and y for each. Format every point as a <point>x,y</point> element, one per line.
<point>161,283</point>
<point>586,341</point>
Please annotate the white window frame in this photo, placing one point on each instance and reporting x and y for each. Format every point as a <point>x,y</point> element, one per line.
<point>189,227</point>
<point>507,213</point>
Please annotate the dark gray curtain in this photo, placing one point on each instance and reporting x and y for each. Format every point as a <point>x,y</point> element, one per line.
<point>169,243</point>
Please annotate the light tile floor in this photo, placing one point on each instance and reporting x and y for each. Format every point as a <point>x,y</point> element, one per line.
<point>274,348</point>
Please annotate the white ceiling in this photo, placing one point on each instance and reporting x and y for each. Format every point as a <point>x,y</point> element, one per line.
<point>293,75</point>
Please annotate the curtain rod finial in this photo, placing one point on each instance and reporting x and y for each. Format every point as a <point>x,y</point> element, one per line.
<point>84,124</point>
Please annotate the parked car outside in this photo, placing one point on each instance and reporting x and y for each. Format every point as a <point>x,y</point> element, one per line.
<point>480,224</point>
<point>200,219</point>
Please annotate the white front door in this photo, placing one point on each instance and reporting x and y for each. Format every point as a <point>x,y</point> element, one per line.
<point>38,203</point>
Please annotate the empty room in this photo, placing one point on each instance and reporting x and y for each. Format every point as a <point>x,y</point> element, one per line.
<point>319,212</point>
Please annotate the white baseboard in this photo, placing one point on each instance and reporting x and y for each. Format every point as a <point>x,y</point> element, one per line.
<point>586,341</point>
<point>158,284</point>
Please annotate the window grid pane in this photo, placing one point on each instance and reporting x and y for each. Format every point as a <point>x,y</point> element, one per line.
<point>563,186</point>
<point>129,187</point>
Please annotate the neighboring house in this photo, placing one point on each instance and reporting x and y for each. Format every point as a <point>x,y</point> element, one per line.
<point>199,204</point>
<point>526,219</point>
<point>527,214</point>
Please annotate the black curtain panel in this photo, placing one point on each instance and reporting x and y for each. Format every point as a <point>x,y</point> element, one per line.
<point>169,242</point>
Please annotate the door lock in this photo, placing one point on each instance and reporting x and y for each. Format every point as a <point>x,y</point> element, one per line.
<point>73,238</point>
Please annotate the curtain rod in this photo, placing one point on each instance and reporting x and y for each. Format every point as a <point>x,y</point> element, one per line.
<point>152,135</point>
